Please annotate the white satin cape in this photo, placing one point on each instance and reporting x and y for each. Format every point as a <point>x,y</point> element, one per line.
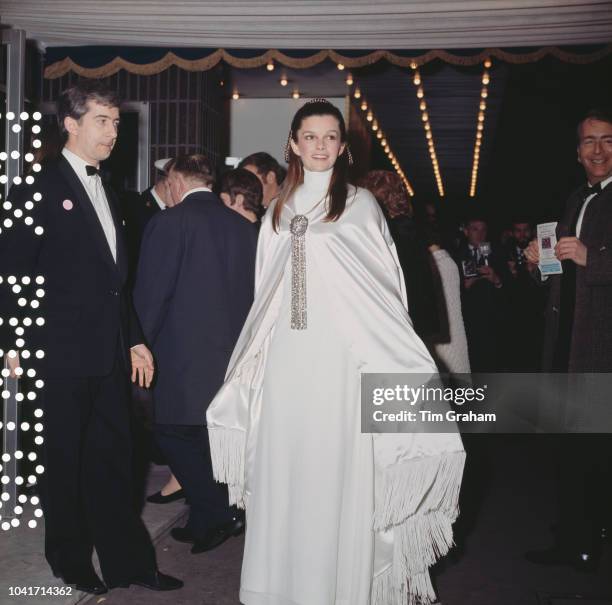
<point>417,476</point>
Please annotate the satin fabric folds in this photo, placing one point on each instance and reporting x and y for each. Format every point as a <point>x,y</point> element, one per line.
<point>404,486</point>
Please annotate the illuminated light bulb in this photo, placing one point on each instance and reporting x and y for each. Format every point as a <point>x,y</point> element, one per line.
<point>423,106</point>
<point>349,80</point>
<point>283,81</point>
<point>357,93</point>
<point>374,125</point>
<point>379,134</point>
<point>340,66</point>
<point>428,134</point>
<point>270,65</point>
<point>416,79</point>
<point>413,65</point>
<point>485,79</point>
<point>427,126</point>
<point>235,95</point>
<point>296,94</point>
<point>364,105</point>
<point>482,106</point>
<point>370,116</point>
<point>425,116</point>
<point>420,93</point>
<point>384,142</point>
<point>484,94</point>
<point>487,63</point>
<point>481,117</point>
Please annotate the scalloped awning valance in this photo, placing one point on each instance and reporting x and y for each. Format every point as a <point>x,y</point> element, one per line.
<point>101,62</point>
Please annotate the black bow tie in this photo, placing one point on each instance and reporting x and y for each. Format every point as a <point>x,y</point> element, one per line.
<point>588,190</point>
<point>92,170</point>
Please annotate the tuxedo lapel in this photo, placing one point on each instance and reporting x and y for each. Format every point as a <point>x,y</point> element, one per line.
<point>597,216</point>
<point>567,227</point>
<point>89,212</point>
<point>122,260</point>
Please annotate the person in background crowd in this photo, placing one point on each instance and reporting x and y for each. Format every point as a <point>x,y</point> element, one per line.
<point>417,265</point>
<point>242,191</point>
<point>482,296</point>
<point>194,287</point>
<point>139,209</point>
<point>432,280</point>
<point>268,171</point>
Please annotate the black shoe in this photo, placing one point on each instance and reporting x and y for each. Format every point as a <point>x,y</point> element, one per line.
<point>556,555</point>
<point>87,582</point>
<point>182,534</point>
<point>155,580</point>
<point>159,498</point>
<point>215,537</point>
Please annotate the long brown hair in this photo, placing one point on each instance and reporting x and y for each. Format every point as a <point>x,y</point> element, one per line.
<point>338,186</point>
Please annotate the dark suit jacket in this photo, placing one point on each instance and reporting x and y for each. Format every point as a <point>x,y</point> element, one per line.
<point>88,311</point>
<point>194,288</point>
<point>591,339</point>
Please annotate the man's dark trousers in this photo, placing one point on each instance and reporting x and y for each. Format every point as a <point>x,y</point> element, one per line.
<point>88,468</point>
<point>187,450</point>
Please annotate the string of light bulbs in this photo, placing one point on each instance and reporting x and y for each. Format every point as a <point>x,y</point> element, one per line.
<point>23,292</point>
<point>482,106</point>
<point>377,130</point>
<point>420,93</point>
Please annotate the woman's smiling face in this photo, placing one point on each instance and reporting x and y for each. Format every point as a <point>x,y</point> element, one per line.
<point>318,142</point>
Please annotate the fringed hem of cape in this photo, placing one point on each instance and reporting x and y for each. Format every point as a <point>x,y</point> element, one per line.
<point>417,544</point>
<point>227,454</point>
<point>417,590</point>
<point>418,486</point>
<point>430,486</point>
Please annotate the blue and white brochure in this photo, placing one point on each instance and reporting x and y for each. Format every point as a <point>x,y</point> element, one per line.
<point>547,240</point>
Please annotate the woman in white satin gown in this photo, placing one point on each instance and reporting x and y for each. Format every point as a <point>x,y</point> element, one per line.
<point>326,503</point>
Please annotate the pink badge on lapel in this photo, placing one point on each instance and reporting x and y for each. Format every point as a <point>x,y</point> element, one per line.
<point>68,205</point>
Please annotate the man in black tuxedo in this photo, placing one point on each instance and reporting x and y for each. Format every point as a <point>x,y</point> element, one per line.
<point>194,288</point>
<point>90,339</point>
<point>578,340</point>
<point>482,296</point>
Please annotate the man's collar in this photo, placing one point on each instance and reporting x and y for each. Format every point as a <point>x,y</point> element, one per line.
<point>77,162</point>
<point>158,199</point>
<point>194,190</point>
<point>604,183</point>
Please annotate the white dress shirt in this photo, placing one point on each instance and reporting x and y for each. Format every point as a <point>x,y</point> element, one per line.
<point>97,196</point>
<point>584,207</point>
